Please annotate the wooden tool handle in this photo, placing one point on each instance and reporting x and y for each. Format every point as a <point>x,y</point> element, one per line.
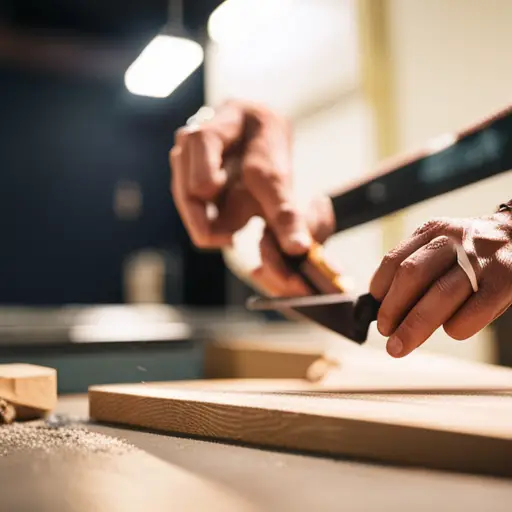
<point>316,272</point>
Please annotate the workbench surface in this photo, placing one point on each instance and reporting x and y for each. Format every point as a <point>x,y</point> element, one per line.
<point>165,473</point>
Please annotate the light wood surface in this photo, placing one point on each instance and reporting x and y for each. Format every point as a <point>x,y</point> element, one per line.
<point>29,387</point>
<point>243,359</point>
<point>465,433</point>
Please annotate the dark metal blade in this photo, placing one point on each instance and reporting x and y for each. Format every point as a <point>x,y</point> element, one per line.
<point>339,313</point>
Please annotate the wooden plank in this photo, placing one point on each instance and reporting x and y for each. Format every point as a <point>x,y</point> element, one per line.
<point>462,433</point>
<point>31,389</point>
<point>241,359</point>
<point>351,367</point>
<point>348,367</point>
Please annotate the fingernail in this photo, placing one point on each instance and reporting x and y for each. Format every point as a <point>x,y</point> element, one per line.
<point>299,241</point>
<point>394,346</point>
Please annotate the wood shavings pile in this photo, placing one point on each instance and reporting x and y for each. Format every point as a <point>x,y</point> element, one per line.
<point>50,437</point>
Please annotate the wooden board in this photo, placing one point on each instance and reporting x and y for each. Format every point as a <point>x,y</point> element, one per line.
<point>32,389</point>
<point>456,432</point>
<point>242,359</point>
<point>351,368</point>
<point>284,351</point>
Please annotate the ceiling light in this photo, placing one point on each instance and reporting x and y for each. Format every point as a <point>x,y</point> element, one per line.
<point>166,61</point>
<point>163,65</point>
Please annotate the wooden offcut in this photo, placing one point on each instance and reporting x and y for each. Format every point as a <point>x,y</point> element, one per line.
<point>31,389</point>
<point>245,359</point>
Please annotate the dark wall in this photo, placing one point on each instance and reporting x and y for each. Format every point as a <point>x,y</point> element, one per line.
<point>64,145</point>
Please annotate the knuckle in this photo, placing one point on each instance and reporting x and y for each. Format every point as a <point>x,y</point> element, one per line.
<point>390,261</point>
<point>407,270</point>
<point>204,187</point>
<point>175,154</point>
<point>192,135</point>
<point>258,177</point>
<point>257,119</point>
<point>444,285</point>
<point>255,172</point>
<point>438,243</point>
<point>285,216</point>
<point>180,134</point>
<point>198,134</point>
<point>493,286</point>
<point>431,226</point>
<point>260,116</point>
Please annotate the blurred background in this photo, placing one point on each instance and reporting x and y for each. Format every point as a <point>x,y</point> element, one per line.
<point>91,93</point>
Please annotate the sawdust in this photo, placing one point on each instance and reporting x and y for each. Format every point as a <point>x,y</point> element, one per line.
<point>7,412</point>
<point>58,436</point>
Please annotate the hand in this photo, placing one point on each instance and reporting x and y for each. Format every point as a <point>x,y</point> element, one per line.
<point>422,287</point>
<point>239,162</point>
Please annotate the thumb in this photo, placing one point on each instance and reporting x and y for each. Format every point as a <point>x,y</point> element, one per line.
<point>271,186</point>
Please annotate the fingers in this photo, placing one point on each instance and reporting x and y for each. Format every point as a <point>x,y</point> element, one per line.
<point>206,177</point>
<point>441,301</point>
<point>197,174</point>
<point>385,273</point>
<point>274,273</point>
<point>193,211</point>
<point>493,298</point>
<point>412,279</point>
<point>267,174</point>
<point>423,287</point>
<point>236,207</point>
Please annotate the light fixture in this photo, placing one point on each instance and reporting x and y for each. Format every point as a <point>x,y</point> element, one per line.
<point>166,61</point>
<point>235,21</point>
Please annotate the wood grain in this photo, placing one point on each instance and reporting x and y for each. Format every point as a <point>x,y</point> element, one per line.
<point>29,387</point>
<point>462,433</point>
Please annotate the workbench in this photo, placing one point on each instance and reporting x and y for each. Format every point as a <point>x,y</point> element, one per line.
<point>170,473</point>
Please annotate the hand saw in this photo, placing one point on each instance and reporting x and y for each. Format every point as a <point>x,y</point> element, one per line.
<point>445,164</point>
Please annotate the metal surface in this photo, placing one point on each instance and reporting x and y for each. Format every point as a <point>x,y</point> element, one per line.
<point>340,313</point>
<point>110,344</point>
<point>167,473</point>
<point>264,303</point>
<point>112,327</point>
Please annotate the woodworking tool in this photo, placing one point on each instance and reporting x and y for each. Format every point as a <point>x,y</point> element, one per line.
<point>446,163</point>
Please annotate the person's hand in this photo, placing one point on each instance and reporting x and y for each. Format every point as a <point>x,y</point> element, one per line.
<point>422,287</point>
<point>238,165</point>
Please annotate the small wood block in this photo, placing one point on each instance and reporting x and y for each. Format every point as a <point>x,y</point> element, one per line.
<point>238,359</point>
<point>467,433</point>
<point>31,389</point>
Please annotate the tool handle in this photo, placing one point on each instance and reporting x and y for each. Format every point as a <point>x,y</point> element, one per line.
<point>316,272</point>
<point>447,163</point>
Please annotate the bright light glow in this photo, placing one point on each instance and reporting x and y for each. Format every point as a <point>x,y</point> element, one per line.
<point>162,66</point>
<point>237,20</point>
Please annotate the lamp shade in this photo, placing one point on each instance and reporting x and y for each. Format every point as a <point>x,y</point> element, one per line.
<point>163,65</point>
